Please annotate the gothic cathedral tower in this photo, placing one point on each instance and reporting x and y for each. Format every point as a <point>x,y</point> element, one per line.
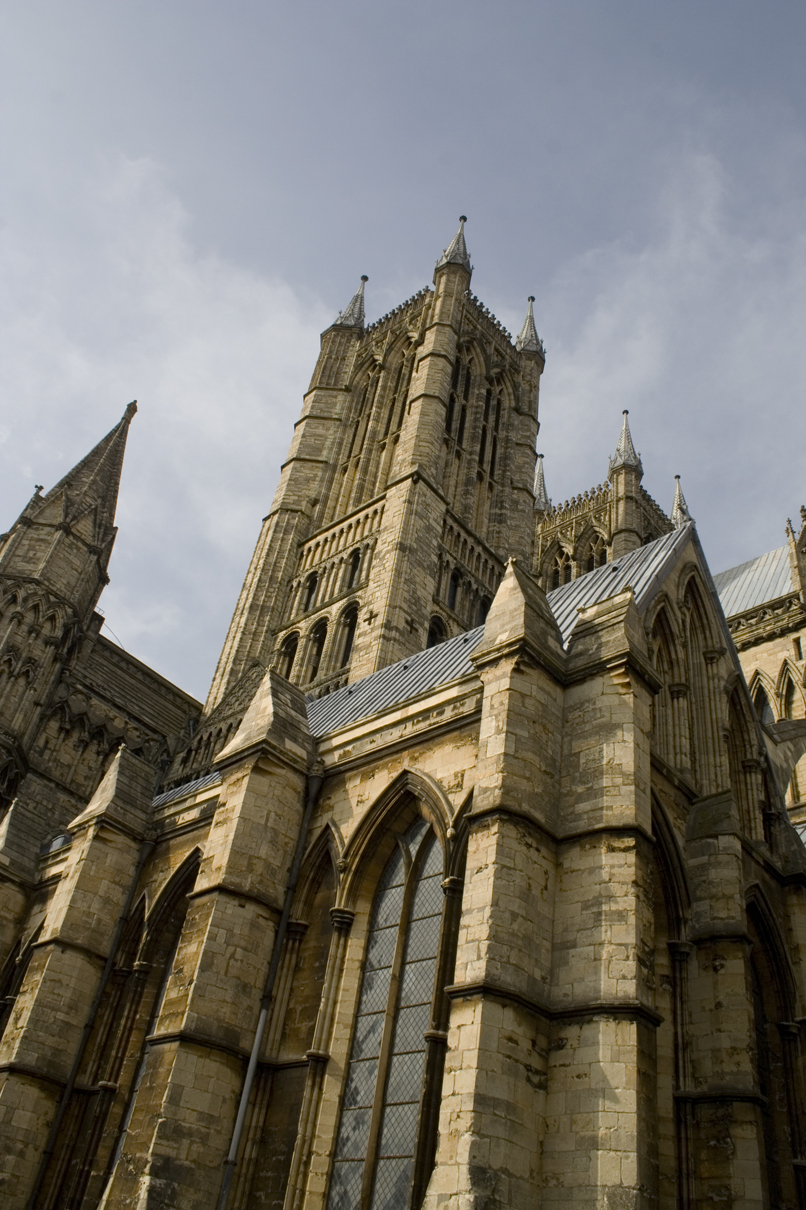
<point>408,484</point>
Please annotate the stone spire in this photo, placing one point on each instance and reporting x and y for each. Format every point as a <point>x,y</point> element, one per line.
<point>353,314</point>
<point>625,450</point>
<point>456,252</point>
<point>679,514</point>
<point>94,482</point>
<point>528,340</point>
<point>542,502</point>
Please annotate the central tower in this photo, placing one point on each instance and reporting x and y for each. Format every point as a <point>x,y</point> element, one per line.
<point>408,484</point>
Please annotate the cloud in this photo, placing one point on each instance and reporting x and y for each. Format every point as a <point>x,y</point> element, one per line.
<point>699,334</point>
<point>119,304</point>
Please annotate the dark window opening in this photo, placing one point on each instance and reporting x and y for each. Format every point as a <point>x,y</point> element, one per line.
<point>453,589</point>
<point>310,590</point>
<point>493,457</point>
<point>352,574</point>
<point>350,623</point>
<point>467,384</point>
<point>484,609</point>
<point>437,632</point>
<point>449,414</point>
<point>482,446</point>
<point>318,636</point>
<point>763,707</point>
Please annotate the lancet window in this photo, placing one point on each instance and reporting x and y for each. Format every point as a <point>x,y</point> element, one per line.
<point>762,705</point>
<point>349,624</point>
<point>561,570</point>
<point>288,653</point>
<point>383,1132</point>
<point>437,632</point>
<point>316,645</point>
<point>595,554</point>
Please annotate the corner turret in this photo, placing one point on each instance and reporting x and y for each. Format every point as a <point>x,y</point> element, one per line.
<point>625,473</point>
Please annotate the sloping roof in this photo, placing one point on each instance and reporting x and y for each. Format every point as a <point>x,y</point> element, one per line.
<point>426,670</point>
<point>188,787</point>
<point>642,569</point>
<point>750,584</point>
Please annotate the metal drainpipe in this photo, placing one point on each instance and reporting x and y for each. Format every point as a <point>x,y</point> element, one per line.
<point>145,849</point>
<point>314,785</point>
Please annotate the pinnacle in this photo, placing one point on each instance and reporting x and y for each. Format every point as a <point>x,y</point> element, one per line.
<point>680,515</point>
<point>528,340</point>
<point>542,502</point>
<point>625,450</point>
<point>353,314</point>
<point>456,253</point>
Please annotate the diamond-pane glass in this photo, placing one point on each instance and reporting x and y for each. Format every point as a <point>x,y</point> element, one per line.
<point>360,1083</point>
<point>375,991</point>
<point>423,941</point>
<point>345,1186</point>
<point>390,905</point>
<point>399,1130</point>
<point>381,948</point>
<point>410,1026</point>
<point>392,1184</point>
<point>354,1133</point>
<point>417,984</point>
<point>405,1077</point>
<point>368,1031</point>
<point>414,833</point>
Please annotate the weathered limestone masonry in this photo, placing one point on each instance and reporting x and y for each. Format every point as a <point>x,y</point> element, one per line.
<point>474,888</point>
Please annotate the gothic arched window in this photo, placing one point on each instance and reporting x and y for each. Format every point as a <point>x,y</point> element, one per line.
<point>310,591</point>
<point>453,588</point>
<point>596,553</point>
<point>437,632</point>
<point>349,622</point>
<point>763,707</point>
<point>315,649</point>
<point>382,1131</point>
<point>352,569</point>
<point>561,570</point>
<point>288,653</point>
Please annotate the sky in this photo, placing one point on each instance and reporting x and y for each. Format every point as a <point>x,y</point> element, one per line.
<point>191,190</point>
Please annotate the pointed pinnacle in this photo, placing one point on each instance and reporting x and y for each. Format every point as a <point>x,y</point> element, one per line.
<point>542,502</point>
<point>353,314</point>
<point>625,450</point>
<point>456,253</point>
<point>528,340</point>
<point>680,515</point>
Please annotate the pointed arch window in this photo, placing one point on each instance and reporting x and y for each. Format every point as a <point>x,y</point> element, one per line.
<point>352,569</point>
<point>350,622</point>
<point>288,653</point>
<point>317,646</point>
<point>763,708</point>
<point>310,591</point>
<point>596,554</point>
<point>453,588</point>
<point>561,570</point>
<point>437,632</point>
<point>382,1140</point>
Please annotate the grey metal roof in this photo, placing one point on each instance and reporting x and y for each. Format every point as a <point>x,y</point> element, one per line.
<point>750,584</point>
<point>410,677</point>
<point>189,787</point>
<point>642,569</point>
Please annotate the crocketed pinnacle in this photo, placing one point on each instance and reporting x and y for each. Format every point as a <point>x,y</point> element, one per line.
<point>542,502</point>
<point>95,480</point>
<point>456,252</point>
<point>528,340</point>
<point>680,514</point>
<point>353,314</point>
<point>625,450</point>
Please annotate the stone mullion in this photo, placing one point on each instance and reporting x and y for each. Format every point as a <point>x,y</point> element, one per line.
<point>793,1078</point>
<point>318,1057</point>
<point>716,725</point>
<point>681,753</point>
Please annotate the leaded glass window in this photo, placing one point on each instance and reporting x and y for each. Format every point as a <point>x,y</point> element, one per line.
<point>378,1138</point>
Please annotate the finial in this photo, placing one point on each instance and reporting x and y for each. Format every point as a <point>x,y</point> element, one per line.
<point>803,513</point>
<point>542,502</point>
<point>680,515</point>
<point>131,410</point>
<point>528,340</point>
<point>353,314</point>
<point>625,450</point>
<point>456,253</point>
<point>38,488</point>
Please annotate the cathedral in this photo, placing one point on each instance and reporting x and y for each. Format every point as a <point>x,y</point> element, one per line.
<point>477,883</point>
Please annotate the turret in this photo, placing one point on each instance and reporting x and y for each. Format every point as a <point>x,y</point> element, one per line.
<point>542,502</point>
<point>625,474</point>
<point>679,515</point>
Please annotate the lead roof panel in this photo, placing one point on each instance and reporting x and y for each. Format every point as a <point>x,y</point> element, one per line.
<point>750,584</point>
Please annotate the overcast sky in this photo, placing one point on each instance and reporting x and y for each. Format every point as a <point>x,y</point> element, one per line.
<point>190,191</point>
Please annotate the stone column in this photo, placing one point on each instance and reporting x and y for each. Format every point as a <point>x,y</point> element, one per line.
<point>51,1018</point>
<point>601,1147</point>
<point>185,1107</point>
<point>492,1117</point>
